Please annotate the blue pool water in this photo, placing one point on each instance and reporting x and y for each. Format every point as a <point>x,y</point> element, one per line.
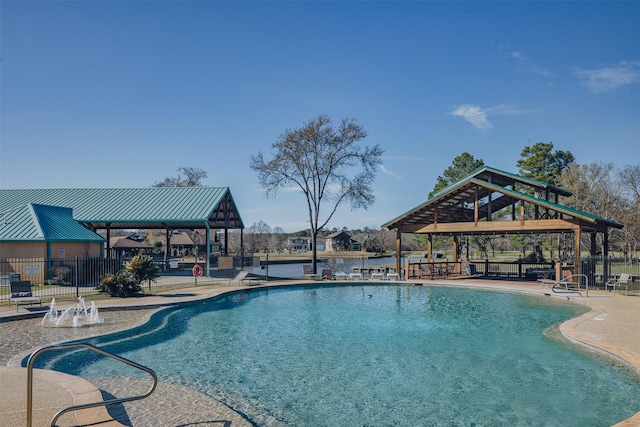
<point>377,355</point>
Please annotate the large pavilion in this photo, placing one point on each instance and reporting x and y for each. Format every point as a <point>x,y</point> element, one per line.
<point>526,206</point>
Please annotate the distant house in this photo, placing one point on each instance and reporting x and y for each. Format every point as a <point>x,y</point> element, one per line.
<point>299,244</point>
<point>127,246</point>
<point>182,243</point>
<point>341,241</point>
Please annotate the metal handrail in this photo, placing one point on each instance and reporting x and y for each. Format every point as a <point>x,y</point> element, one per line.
<point>567,291</point>
<point>41,350</point>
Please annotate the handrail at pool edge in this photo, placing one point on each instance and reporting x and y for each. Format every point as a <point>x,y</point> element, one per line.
<point>61,412</point>
<point>567,291</point>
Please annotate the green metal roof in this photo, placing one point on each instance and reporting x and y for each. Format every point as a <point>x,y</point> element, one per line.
<point>152,207</point>
<point>503,178</point>
<point>445,205</point>
<point>33,222</point>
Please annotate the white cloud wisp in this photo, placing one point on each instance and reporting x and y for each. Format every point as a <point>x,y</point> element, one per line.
<point>610,79</point>
<point>474,115</point>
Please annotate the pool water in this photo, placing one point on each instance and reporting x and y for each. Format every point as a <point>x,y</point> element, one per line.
<point>377,355</point>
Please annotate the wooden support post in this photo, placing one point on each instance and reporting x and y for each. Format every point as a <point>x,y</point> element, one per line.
<point>475,208</point>
<point>576,251</point>
<point>399,252</point>
<point>455,248</point>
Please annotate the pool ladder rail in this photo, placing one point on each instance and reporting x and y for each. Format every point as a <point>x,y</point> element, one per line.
<point>63,411</point>
<point>566,283</point>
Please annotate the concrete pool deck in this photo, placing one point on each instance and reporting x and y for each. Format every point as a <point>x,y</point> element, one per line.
<point>611,326</point>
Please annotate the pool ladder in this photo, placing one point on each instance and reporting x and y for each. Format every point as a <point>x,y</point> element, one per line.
<point>566,287</point>
<point>41,350</point>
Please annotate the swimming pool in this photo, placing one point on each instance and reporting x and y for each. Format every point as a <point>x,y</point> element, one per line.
<point>376,355</point>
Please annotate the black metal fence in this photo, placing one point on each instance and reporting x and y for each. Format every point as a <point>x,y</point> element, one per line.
<point>80,276</point>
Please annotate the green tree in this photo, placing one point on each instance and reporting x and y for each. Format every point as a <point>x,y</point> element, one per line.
<point>327,164</point>
<point>461,166</point>
<point>541,163</point>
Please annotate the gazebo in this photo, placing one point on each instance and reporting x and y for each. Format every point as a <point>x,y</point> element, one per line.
<point>526,206</point>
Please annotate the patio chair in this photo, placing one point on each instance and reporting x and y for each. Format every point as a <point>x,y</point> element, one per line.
<point>244,276</point>
<point>327,274</point>
<point>425,272</point>
<point>341,275</point>
<point>21,293</point>
<point>622,280</point>
<point>309,273</point>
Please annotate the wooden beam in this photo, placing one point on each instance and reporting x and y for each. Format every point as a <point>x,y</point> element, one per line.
<point>527,226</point>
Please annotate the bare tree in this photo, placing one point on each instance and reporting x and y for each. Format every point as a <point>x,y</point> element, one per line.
<point>594,191</point>
<point>326,164</point>
<point>278,239</point>
<point>630,181</point>
<point>187,177</point>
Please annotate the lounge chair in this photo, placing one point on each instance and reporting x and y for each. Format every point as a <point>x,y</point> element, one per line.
<point>309,272</point>
<point>393,274</point>
<point>355,275</point>
<point>244,276</point>
<point>327,274</point>
<point>21,293</point>
<point>622,280</point>
<point>341,275</point>
<point>377,275</point>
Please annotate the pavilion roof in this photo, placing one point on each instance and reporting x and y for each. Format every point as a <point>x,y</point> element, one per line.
<point>134,208</point>
<point>494,190</point>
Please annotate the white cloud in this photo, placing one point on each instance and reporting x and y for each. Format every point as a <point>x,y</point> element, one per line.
<point>610,79</point>
<point>390,173</point>
<point>474,115</point>
<point>479,117</point>
<point>526,65</point>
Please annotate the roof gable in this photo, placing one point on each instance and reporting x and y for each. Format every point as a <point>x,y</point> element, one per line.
<point>34,222</point>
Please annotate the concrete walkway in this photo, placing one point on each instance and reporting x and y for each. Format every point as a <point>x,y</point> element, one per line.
<point>612,326</point>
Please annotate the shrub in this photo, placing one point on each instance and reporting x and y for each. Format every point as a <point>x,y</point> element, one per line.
<point>59,275</point>
<point>141,268</point>
<point>120,284</point>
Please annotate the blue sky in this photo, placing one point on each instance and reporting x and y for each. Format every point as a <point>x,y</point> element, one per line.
<point>121,94</point>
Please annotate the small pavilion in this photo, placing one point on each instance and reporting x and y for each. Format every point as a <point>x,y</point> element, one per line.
<point>526,206</point>
<point>168,208</point>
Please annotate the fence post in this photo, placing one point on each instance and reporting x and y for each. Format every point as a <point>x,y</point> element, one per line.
<point>76,279</point>
<point>519,267</point>
<point>267,268</point>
